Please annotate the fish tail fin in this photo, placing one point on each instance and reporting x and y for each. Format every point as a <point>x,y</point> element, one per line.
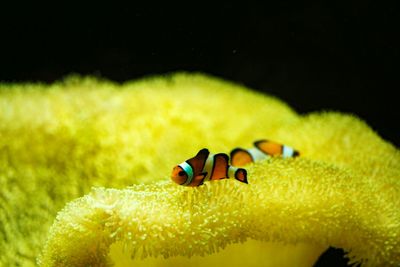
<point>239,174</point>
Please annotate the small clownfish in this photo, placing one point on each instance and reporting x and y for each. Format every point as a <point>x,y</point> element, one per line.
<point>205,167</point>
<point>262,149</point>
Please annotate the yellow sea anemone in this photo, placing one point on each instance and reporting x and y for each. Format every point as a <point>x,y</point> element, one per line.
<point>57,141</point>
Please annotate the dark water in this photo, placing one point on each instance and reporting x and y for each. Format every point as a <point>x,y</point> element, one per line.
<point>340,55</point>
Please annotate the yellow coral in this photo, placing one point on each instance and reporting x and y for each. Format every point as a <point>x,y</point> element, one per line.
<point>59,140</point>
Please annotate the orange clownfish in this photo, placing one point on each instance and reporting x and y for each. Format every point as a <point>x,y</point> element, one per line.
<point>205,167</point>
<point>262,149</point>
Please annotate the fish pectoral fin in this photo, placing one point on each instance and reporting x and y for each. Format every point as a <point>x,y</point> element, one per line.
<point>201,177</point>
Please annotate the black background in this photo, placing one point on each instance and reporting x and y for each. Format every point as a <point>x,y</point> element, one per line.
<point>336,55</point>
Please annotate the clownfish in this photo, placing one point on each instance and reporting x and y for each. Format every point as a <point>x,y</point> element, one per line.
<point>205,167</point>
<point>262,149</point>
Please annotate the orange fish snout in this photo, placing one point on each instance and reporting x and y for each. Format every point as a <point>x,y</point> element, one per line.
<point>178,175</point>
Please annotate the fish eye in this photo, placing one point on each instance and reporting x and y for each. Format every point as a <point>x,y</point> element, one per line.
<point>181,173</point>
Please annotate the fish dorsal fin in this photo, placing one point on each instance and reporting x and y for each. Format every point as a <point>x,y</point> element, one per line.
<point>198,161</point>
<point>268,147</point>
<point>240,157</point>
<point>220,168</point>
